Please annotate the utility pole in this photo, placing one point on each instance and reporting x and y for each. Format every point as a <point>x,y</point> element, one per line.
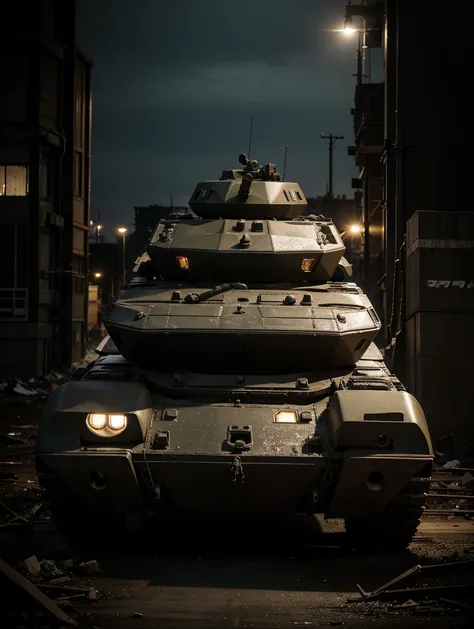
<point>332,140</point>
<point>97,227</point>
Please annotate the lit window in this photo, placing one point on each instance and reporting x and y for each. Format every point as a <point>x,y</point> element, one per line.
<point>13,181</point>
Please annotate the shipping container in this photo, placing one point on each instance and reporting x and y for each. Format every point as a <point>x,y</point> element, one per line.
<point>439,277</point>
<point>441,335</point>
<point>444,390</point>
<point>439,225</point>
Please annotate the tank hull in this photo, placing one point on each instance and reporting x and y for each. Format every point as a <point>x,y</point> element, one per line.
<point>203,485</point>
<point>203,445</point>
<point>243,330</point>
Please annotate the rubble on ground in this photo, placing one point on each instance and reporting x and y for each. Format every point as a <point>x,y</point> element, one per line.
<point>440,589</point>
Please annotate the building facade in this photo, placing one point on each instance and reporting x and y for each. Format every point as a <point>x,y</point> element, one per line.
<point>45,152</point>
<point>413,134</point>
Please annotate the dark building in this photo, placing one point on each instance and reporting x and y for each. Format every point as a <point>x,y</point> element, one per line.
<point>45,149</point>
<point>413,134</point>
<point>105,269</point>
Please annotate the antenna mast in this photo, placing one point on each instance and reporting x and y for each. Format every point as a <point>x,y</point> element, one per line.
<point>284,163</point>
<point>250,136</point>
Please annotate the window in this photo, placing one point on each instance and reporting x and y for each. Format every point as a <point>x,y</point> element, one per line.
<point>79,285</point>
<point>78,174</point>
<point>13,181</point>
<point>47,178</point>
<point>78,265</point>
<point>14,265</point>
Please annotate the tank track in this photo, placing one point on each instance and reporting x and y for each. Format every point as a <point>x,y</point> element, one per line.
<point>72,517</point>
<point>396,526</point>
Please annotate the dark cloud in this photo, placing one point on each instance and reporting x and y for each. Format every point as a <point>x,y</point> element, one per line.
<point>185,33</point>
<point>175,83</point>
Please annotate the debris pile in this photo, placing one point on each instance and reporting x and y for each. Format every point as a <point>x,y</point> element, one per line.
<point>441,589</point>
<point>34,387</point>
<point>452,491</point>
<point>45,588</point>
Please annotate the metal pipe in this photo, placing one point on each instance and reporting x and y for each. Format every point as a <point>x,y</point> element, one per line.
<point>124,274</point>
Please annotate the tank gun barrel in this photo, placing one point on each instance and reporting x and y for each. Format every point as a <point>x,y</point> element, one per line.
<point>217,290</point>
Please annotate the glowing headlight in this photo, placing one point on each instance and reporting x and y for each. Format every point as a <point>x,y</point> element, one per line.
<point>97,421</point>
<point>183,263</point>
<point>116,422</point>
<point>104,425</point>
<point>307,265</point>
<point>286,417</point>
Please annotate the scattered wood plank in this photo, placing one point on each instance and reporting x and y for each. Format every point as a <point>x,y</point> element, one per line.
<point>31,590</point>
<point>417,569</point>
<point>456,604</point>
<point>422,592</point>
<point>63,588</point>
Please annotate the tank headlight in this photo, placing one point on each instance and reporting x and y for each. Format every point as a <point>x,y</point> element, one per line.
<point>307,265</point>
<point>97,421</point>
<point>104,425</point>
<point>183,263</point>
<point>286,417</point>
<point>116,422</point>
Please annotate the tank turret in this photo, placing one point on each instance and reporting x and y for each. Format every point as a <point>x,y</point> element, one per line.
<point>249,274</point>
<point>252,192</point>
<point>248,228</point>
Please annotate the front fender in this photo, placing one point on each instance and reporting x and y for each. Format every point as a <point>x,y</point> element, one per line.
<point>384,421</point>
<point>63,422</point>
<point>384,441</point>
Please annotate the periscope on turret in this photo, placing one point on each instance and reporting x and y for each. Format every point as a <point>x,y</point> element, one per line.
<point>240,375</point>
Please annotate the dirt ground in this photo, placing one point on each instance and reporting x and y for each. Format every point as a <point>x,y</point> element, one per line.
<point>297,572</point>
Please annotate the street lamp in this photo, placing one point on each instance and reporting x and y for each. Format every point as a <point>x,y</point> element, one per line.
<point>355,229</point>
<point>97,276</point>
<point>123,231</point>
<point>348,28</point>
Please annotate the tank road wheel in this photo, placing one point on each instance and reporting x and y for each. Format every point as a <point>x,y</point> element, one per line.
<point>395,527</point>
<point>72,517</point>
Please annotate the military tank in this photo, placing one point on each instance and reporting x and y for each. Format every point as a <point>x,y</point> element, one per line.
<point>240,376</point>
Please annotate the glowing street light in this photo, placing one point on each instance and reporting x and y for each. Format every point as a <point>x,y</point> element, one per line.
<point>123,231</point>
<point>355,229</point>
<point>97,275</point>
<point>348,28</point>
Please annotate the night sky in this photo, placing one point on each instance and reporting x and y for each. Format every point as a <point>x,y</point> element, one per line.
<point>176,81</point>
